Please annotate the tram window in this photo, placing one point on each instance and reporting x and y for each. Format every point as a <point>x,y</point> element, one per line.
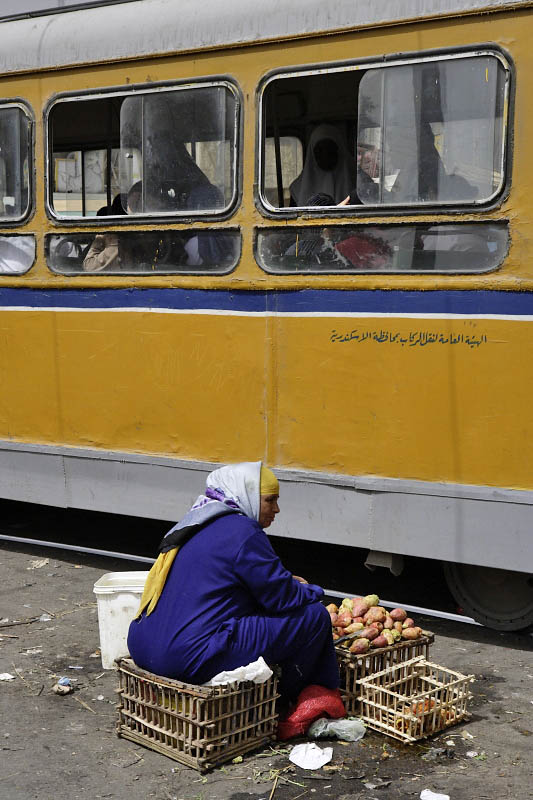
<point>15,161</point>
<point>177,146</point>
<point>417,133</point>
<point>459,248</point>
<point>164,252</point>
<point>17,254</point>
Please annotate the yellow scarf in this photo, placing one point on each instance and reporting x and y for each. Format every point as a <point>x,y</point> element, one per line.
<point>156,580</point>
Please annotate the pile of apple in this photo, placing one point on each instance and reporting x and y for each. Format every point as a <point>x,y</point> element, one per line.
<point>372,625</point>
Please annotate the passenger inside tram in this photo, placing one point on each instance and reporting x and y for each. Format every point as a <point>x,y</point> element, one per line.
<point>109,250</point>
<point>314,246</point>
<point>218,597</point>
<point>329,168</point>
<point>117,207</point>
<point>176,182</point>
<point>420,172</point>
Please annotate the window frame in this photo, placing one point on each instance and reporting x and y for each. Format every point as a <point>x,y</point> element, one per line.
<point>115,274</point>
<point>358,272</point>
<point>134,90</point>
<point>379,62</point>
<point>19,102</point>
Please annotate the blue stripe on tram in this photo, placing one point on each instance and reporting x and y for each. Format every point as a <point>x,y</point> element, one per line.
<point>302,301</point>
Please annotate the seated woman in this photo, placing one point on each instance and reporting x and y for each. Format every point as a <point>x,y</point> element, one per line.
<point>329,167</point>
<point>218,597</point>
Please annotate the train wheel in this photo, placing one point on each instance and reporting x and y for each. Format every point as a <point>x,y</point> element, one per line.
<point>497,598</point>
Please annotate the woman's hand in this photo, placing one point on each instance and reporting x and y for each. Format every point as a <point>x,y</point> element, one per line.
<point>299,579</point>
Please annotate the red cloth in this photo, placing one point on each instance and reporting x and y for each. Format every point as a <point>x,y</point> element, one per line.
<point>313,702</point>
<point>364,252</point>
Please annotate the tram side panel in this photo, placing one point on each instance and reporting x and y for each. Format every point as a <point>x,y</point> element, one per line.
<point>421,399</point>
<point>82,388</point>
<point>434,404</point>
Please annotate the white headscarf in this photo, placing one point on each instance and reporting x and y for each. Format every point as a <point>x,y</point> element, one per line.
<point>232,489</point>
<point>337,182</point>
<point>235,485</point>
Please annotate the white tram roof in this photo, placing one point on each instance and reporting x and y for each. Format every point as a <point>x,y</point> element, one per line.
<point>103,33</point>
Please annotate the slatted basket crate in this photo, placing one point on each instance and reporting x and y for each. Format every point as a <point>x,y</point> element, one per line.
<point>353,667</point>
<point>200,726</point>
<point>414,699</point>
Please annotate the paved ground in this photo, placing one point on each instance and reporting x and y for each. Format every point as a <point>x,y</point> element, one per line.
<point>54,748</point>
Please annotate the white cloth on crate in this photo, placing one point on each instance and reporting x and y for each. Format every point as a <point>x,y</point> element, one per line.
<point>257,671</point>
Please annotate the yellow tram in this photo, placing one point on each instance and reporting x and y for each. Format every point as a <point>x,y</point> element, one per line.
<point>297,232</point>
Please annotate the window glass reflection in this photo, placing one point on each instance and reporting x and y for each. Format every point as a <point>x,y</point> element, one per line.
<point>383,248</point>
<point>15,143</point>
<point>431,132</point>
<point>178,146</point>
<point>17,254</point>
<point>144,252</point>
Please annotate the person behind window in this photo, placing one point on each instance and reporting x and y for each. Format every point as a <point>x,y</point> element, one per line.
<point>178,183</point>
<point>366,190</point>
<point>117,207</point>
<point>134,198</point>
<point>329,168</point>
<point>330,247</point>
<point>314,247</point>
<point>218,597</point>
<point>106,252</point>
<point>191,190</point>
<point>422,176</point>
<point>103,254</point>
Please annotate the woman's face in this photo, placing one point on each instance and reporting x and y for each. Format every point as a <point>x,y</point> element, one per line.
<point>268,509</point>
<point>326,154</point>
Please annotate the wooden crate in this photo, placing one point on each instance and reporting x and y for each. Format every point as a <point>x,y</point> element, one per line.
<point>200,726</point>
<point>414,699</point>
<point>354,667</point>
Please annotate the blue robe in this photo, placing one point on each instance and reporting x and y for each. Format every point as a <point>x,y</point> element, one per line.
<point>228,600</point>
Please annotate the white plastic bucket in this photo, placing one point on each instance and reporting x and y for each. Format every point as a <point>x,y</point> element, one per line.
<point>118,595</point>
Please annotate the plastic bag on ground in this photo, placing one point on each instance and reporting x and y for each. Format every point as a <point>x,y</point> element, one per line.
<point>310,756</point>
<point>427,794</point>
<point>348,730</point>
<point>257,671</point>
<point>313,702</point>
